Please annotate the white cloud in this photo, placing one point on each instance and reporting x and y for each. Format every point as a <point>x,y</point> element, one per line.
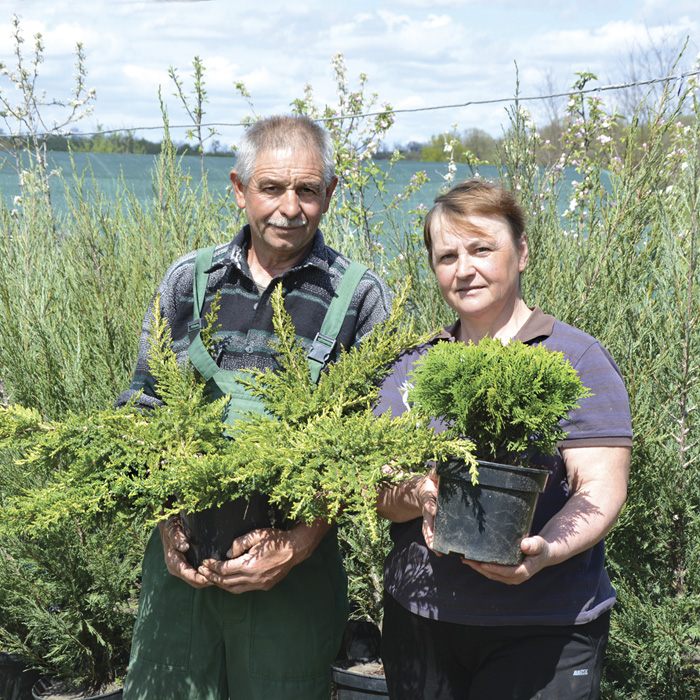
<point>63,37</point>
<point>396,37</point>
<point>599,43</point>
<point>431,4</point>
<point>416,53</point>
<point>144,77</point>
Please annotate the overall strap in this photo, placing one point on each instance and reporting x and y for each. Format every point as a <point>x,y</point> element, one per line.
<point>323,343</point>
<point>326,338</point>
<point>199,356</point>
<point>202,262</point>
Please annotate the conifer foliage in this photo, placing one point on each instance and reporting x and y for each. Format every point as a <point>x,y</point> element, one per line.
<point>318,451</point>
<point>508,399</point>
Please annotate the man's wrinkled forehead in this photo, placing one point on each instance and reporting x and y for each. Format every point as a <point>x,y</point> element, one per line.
<point>278,165</point>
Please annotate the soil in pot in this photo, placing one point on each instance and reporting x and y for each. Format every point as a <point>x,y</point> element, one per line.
<point>359,680</point>
<point>358,673</point>
<point>52,689</point>
<point>486,522</point>
<point>210,532</point>
<point>16,680</point>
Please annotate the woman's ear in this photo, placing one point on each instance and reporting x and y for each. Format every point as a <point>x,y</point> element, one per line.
<point>524,253</point>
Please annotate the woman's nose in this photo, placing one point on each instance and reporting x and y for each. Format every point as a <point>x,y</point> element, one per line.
<point>465,266</point>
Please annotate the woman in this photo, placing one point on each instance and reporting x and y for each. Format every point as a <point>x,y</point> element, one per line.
<point>463,629</point>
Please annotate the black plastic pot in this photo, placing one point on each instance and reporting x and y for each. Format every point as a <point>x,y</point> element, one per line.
<point>362,640</point>
<point>47,688</point>
<point>210,532</point>
<point>486,522</point>
<point>15,679</point>
<point>359,680</point>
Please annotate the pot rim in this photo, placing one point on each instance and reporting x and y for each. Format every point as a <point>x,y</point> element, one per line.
<point>517,467</point>
<point>46,682</point>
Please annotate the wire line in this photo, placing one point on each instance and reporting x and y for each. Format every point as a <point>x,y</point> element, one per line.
<point>413,110</point>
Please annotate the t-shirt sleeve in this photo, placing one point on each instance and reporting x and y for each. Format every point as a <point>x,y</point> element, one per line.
<point>604,418</point>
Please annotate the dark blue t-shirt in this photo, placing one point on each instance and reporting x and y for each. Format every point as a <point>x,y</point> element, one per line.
<point>573,592</point>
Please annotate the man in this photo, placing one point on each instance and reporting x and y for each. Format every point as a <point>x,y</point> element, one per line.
<point>266,622</point>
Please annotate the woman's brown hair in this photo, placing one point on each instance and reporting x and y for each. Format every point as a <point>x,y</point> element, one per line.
<point>475,198</point>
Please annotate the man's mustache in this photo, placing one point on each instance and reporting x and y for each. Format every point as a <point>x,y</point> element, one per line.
<point>284,222</point>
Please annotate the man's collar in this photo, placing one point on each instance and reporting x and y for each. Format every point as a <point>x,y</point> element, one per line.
<point>237,253</point>
<point>538,325</point>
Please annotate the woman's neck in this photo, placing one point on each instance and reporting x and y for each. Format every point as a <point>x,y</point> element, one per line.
<point>504,328</point>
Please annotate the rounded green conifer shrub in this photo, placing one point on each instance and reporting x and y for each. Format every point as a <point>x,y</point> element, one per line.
<point>508,399</point>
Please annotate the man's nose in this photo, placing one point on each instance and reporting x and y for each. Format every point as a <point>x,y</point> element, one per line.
<point>289,204</point>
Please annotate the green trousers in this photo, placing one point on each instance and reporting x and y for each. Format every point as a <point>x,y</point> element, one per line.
<point>207,644</point>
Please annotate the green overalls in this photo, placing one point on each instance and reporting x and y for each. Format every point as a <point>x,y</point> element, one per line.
<point>208,644</point>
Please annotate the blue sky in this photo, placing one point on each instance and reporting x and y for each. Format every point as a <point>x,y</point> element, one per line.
<point>416,53</point>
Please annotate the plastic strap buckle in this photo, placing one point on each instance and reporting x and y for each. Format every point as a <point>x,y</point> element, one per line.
<point>194,327</point>
<point>321,348</point>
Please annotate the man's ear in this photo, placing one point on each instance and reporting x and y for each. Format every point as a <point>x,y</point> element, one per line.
<point>238,189</point>
<point>329,193</point>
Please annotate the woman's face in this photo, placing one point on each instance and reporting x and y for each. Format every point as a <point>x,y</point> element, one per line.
<point>478,267</point>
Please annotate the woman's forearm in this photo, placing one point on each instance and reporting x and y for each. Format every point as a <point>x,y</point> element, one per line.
<point>401,502</point>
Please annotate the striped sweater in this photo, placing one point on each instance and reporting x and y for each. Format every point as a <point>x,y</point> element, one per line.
<point>245,315</point>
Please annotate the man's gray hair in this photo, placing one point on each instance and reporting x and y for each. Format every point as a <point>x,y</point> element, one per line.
<point>279,133</point>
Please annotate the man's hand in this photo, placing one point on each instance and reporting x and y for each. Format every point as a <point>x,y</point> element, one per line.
<point>262,558</point>
<point>175,545</point>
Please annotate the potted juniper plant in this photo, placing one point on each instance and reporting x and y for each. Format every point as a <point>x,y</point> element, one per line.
<point>317,452</point>
<point>357,671</point>
<point>509,400</point>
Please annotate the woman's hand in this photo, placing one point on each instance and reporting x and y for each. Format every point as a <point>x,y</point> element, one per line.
<point>412,499</point>
<point>537,552</point>
<point>426,490</point>
<point>597,479</point>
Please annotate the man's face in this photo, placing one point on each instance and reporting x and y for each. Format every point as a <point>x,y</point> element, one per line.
<point>284,201</point>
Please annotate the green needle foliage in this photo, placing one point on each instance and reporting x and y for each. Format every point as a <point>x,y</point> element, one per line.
<point>318,452</point>
<point>508,399</point>
<point>613,208</point>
